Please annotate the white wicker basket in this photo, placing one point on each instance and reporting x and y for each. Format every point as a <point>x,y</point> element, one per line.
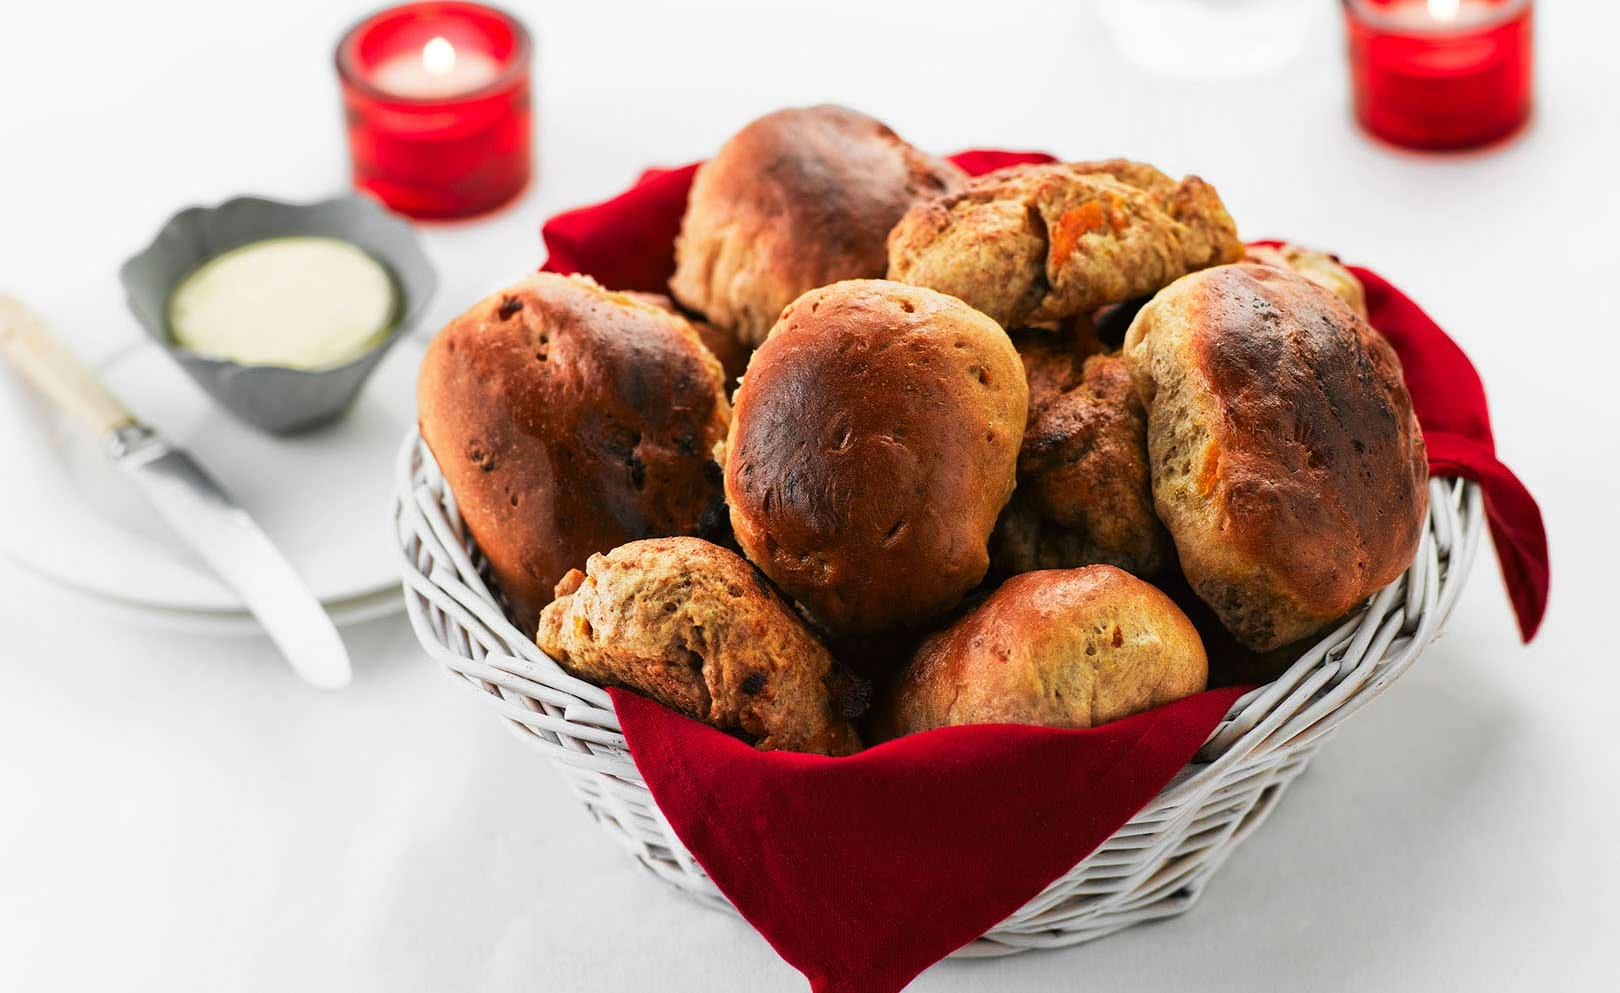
<point>1155,866</point>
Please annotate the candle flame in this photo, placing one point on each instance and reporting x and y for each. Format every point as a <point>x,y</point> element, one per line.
<point>1444,10</point>
<point>439,56</point>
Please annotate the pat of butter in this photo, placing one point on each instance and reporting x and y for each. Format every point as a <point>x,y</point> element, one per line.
<point>300,302</point>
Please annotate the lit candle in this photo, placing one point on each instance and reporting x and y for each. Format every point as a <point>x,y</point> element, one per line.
<point>1440,73</point>
<point>436,101</point>
<point>439,71</point>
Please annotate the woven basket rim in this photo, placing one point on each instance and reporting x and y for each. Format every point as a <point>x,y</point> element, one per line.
<point>1265,738</point>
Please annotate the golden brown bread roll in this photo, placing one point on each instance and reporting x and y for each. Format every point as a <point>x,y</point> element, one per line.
<point>1084,492</point>
<point>1034,243</point>
<point>567,420</point>
<point>1287,463</point>
<point>1069,648</point>
<point>797,199</point>
<point>697,628</point>
<point>873,443</point>
<point>1320,268</point>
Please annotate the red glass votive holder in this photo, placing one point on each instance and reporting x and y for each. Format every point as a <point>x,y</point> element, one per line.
<point>1440,74</point>
<point>436,101</point>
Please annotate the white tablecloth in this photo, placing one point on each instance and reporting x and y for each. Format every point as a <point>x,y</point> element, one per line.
<point>177,812</point>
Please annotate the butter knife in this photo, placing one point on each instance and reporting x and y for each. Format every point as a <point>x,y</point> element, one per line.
<point>196,508</point>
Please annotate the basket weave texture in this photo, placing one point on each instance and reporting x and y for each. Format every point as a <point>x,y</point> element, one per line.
<point>1155,866</point>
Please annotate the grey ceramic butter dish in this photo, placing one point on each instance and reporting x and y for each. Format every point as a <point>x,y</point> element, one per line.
<point>276,398</point>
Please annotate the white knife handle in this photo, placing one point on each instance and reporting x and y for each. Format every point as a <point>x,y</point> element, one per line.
<point>48,364</point>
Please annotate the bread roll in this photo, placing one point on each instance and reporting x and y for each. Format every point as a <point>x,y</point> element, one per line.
<point>1230,664</point>
<point>696,628</point>
<point>1067,648</point>
<point>1287,463</point>
<point>797,199</point>
<point>1320,268</point>
<point>1084,492</point>
<point>568,420</point>
<point>733,354</point>
<point>873,443</point>
<point>1034,243</point>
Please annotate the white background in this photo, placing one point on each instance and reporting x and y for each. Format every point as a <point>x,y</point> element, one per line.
<point>177,812</point>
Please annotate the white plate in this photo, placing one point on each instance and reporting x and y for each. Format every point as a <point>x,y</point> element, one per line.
<point>68,514</point>
<point>233,623</point>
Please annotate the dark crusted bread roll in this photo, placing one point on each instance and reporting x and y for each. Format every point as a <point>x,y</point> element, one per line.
<point>797,199</point>
<point>1070,648</point>
<point>873,443</point>
<point>567,420</point>
<point>1084,492</point>
<point>1287,463</point>
<point>1034,243</point>
<point>697,628</point>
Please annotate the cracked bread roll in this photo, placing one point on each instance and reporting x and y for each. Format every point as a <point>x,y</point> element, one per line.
<point>1287,463</point>
<point>1030,244</point>
<point>567,420</point>
<point>1320,268</point>
<point>1070,648</point>
<point>1084,492</point>
<point>873,443</point>
<point>698,629</point>
<point>797,199</point>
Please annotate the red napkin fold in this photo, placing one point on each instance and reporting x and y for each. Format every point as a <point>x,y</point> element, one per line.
<point>1450,403</point>
<point>863,871</point>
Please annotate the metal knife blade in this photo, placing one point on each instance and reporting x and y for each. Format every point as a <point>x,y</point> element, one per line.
<point>225,536</point>
<point>197,508</point>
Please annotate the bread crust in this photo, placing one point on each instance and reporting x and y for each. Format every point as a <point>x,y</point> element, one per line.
<point>696,628</point>
<point>1320,268</point>
<point>797,199</point>
<point>874,441</point>
<point>1084,490</point>
<point>1287,462</point>
<point>1035,243</point>
<point>567,420</point>
<point>1069,648</point>
<point>733,354</point>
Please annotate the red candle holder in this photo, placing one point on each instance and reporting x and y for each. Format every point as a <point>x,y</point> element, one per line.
<point>436,100</point>
<point>1440,74</point>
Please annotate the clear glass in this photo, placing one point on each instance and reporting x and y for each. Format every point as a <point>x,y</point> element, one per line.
<point>1209,39</point>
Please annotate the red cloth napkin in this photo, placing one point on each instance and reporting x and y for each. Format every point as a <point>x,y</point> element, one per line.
<point>863,871</point>
<point>1450,403</point>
